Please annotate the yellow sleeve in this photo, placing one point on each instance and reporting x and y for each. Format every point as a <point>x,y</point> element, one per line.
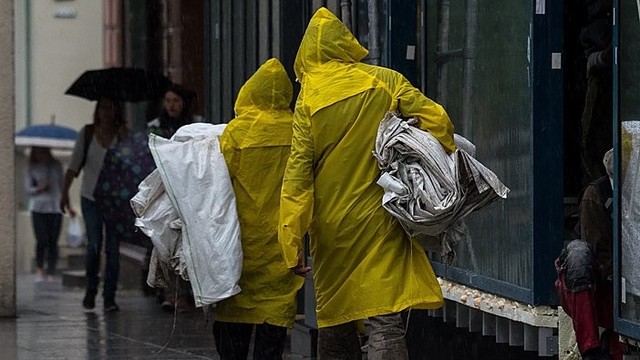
<point>431,116</point>
<point>230,150</point>
<point>297,196</point>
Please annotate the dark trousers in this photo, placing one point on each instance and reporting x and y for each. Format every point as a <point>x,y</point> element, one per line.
<point>233,340</point>
<point>95,223</point>
<point>46,228</point>
<point>596,133</point>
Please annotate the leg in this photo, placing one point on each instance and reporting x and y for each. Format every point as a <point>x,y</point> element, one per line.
<point>232,340</point>
<point>170,293</point>
<point>112,267</point>
<point>54,222</point>
<point>386,339</point>
<point>596,125</point>
<point>184,298</point>
<point>93,222</point>
<point>39,223</point>
<point>339,342</point>
<point>609,341</point>
<point>583,317</point>
<point>269,342</point>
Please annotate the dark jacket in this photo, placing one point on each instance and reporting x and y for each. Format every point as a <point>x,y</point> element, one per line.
<point>587,259</point>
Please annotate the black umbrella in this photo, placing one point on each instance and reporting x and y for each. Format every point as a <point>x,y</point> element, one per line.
<point>120,84</point>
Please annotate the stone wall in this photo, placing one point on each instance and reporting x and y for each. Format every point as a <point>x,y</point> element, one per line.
<point>7,193</point>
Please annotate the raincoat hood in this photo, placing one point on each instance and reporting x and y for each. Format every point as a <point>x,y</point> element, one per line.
<point>269,88</point>
<point>326,39</point>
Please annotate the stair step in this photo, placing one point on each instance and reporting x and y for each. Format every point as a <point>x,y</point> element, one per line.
<point>75,261</point>
<point>73,278</point>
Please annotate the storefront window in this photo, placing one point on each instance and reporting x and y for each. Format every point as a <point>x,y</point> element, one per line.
<point>488,95</point>
<point>629,164</point>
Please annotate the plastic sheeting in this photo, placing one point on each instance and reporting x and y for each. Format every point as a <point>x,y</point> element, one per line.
<point>196,181</point>
<point>428,190</point>
<point>630,206</point>
<point>158,220</point>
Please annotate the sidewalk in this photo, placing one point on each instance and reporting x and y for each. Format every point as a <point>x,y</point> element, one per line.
<point>52,324</point>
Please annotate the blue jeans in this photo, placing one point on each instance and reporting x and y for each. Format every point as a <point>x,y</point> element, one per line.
<point>96,226</point>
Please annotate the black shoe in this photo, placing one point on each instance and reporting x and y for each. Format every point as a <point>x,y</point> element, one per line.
<point>89,301</point>
<point>111,306</point>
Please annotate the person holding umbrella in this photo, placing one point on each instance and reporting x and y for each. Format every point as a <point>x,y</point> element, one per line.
<point>43,182</point>
<point>108,87</point>
<point>89,151</point>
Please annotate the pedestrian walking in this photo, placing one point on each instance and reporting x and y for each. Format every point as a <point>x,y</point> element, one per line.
<point>365,266</point>
<point>255,145</point>
<point>89,151</point>
<point>43,183</point>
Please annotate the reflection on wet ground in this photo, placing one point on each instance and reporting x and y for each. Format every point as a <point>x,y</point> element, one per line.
<point>52,324</point>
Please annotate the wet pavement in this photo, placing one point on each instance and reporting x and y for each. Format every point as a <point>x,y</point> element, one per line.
<point>52,324</point>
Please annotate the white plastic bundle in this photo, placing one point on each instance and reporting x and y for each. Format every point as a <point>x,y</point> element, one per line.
<point>197,183</point>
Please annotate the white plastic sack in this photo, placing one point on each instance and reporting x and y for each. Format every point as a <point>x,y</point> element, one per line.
<point>156,216</point>
<point>157,219</point>
<point>75,236</point>
<point>197,182</point>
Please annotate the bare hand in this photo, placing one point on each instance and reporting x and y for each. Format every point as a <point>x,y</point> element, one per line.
<point>301,270</point>
<point>42,187</point>
<point>65,206</point>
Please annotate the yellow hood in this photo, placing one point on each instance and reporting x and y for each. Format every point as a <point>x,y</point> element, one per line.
<point>326,39</point>
<point>268,89</point>
<point>256,146</point>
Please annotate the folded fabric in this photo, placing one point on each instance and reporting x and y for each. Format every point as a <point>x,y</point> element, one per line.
<point>428,190</point>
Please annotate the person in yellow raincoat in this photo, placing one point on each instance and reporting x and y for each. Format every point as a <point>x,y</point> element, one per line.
<point>255,145</point>
<point>365,266</point>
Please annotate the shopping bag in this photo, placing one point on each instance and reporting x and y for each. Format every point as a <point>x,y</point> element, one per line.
<point>74,232</point>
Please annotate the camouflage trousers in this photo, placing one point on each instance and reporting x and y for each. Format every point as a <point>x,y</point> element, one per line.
<point>386,340</point>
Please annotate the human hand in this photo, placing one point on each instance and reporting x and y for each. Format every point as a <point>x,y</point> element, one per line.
<point>300,269</point>
<point>599,59</point>
<point>65,206</point>
<point>42,186</point>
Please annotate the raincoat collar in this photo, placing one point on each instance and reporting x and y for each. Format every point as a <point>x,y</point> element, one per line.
<point>269,88</point>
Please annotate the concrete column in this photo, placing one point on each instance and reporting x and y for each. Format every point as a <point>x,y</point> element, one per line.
<point>567,346</point>
<point>7,193</point>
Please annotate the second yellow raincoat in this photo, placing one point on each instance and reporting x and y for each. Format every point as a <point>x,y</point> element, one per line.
<point>364,264</point>
<point>255,145</point>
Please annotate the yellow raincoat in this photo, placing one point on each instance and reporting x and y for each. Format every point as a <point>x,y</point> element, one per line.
<point>364,264</point>
<point>256,146</point>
